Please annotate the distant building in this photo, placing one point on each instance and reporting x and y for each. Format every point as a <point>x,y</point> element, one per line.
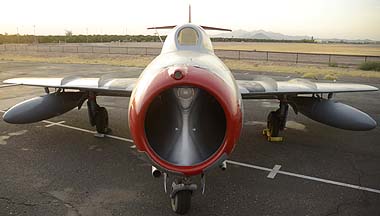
<point>321,41</point>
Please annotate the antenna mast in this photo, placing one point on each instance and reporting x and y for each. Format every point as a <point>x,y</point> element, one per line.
<point>189,13</point>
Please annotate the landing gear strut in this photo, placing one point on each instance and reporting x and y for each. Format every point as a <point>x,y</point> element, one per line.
<point>276,122</point>
<point>180,197</point>
<point>182,189</point>
<point>101,120</point>
<point>98,115</point>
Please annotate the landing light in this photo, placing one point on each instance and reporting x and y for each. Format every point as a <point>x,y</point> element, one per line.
<point>178,75</point>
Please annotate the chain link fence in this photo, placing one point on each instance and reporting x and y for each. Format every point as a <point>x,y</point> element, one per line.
<point>292,57</point>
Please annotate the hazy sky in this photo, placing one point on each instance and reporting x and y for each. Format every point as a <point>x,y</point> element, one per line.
<point>351,19</point>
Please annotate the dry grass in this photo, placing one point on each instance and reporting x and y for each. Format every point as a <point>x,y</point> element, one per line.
<point>348,49</point>
<point>307,71</point>
<point>131,61</point>
<point>312,71</point>
<point>328,76</point>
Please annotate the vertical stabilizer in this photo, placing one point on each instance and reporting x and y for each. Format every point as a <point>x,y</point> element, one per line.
<point>204,27</point>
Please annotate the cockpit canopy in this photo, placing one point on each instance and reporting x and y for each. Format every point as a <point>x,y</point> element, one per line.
<point>187,37</point>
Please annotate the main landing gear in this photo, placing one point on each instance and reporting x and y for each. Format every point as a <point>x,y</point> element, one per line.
<point>98,115</point>
<point>182,189</point>
<point>276,122</point>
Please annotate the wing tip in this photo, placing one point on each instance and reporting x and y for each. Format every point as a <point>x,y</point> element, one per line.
<point>10,81</point>
<point>370,88</point>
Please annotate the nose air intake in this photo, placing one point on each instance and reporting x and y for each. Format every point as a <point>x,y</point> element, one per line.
<point>185,125</point>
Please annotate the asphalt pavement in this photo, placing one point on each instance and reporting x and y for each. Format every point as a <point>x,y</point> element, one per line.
<point>58,167</point>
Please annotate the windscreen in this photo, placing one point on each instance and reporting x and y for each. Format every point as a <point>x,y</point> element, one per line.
<point>188,37</point>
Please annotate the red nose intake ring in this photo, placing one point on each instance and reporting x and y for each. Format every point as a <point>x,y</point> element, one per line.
<point>185,119</point>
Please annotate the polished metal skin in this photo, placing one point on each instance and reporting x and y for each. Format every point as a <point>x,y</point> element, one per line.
<point>334,113</point>
<point>43,107</point>
<point>185,109</point>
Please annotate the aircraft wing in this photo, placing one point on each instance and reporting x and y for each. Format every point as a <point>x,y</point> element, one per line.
<point>106,85</point>
<point>265,87</point>
<point>262,87</point>
<point>325,111</point>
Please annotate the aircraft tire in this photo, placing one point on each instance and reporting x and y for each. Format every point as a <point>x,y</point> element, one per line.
<point>273,124</point>
<point>101,120</point>
<point>181,202</point>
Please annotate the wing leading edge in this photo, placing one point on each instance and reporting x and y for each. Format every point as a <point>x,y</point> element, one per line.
<point>261,87</point>
<point>105,85</point>
<point>265,87</point>
<point>325,111</point>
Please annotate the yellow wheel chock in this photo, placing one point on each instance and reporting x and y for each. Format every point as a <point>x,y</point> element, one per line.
<point>267,133</point>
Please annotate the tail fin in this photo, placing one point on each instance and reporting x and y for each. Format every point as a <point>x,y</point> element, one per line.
<point>204,27</point>
<point>207,27</point>
<point>214,28</point>
<point>162,27</point>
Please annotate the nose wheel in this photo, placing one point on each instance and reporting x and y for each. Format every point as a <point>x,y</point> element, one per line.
<point>181,202</point>
<point>181,191</point>
<point>180,195</point>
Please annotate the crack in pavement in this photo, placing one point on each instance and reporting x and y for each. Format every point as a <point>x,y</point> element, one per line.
<point>363,198</point>
<point>360,175</point>
<point>67,204</point>
<point>10,201</point>
<point>339,206</point>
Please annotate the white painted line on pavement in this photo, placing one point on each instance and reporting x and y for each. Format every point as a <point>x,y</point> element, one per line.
<point>57,123</point>
<point>68,126</point>
<point>274,171</point>
<point>87,131</point>
<point>120,138</point>
<point>50,123</point>
<point>307,177</point>
<point>358,187</point>
<point>248,165</point>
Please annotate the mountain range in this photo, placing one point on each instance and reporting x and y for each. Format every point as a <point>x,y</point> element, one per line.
<point>268,35</point>
<point>260,34</point>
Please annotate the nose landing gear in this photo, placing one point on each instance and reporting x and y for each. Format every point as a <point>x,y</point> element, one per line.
<point>181,191</point>
<point>181,201</point>
<point>180,197</point>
